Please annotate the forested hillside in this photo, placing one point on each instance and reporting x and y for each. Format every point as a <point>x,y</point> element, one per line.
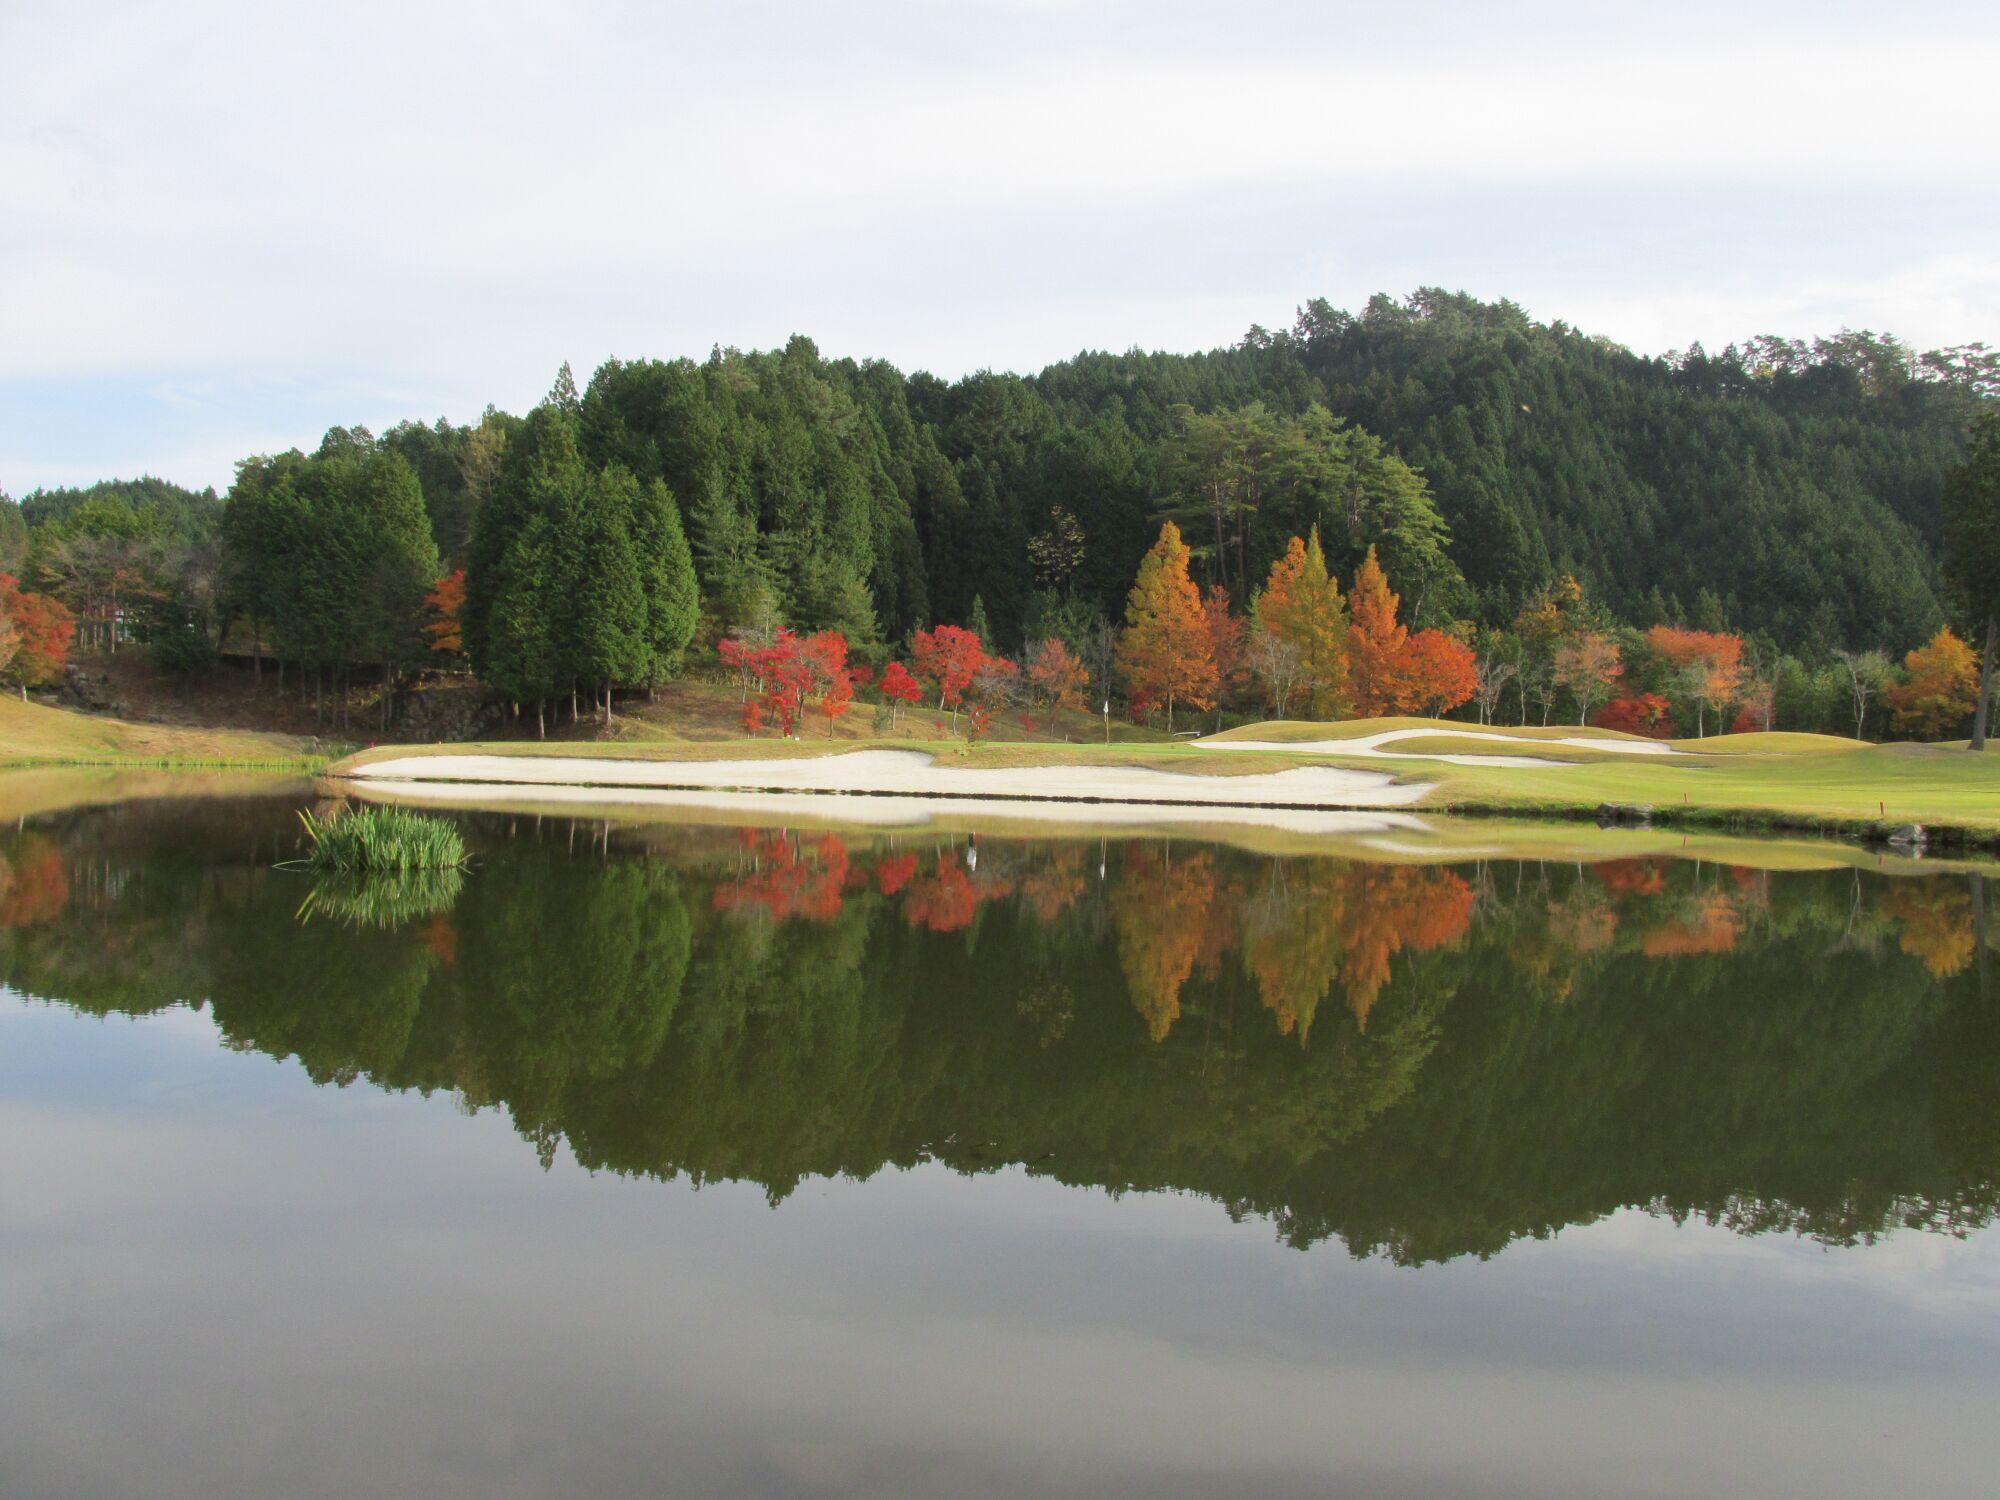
<point>1785,491</point>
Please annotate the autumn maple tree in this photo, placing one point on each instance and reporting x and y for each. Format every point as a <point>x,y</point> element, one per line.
<point>898,689</point>
<point>1435,672</point>
<point>1707,666</point>
<point>1164,653</point>
<point>948,658</point>
<point>44,630</point>
<point>1056,679</point>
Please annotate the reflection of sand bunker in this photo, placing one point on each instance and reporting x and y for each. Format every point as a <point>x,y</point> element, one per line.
<point>894,812</point>
<point>1370,745</point>
<point>912,774</point>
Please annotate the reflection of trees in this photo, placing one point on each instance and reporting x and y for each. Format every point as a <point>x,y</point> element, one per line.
<point>1160,906</point>
<point>1935,925</point>
<point>779,1007</point>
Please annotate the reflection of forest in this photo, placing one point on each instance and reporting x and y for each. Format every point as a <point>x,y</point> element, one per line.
<point>1513,1046</point>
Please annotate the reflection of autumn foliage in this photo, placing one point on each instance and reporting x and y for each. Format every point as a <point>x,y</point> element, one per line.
<point>943,901</point>
<point>33,885</point>
<point>441,938</point>
<point>1159,908</point>
<point>1710,923</point>
<point>790,880</point>
<point>1583,927</point>
<point>1292,942</point>
<point>1632,877</point>
<point>893,873</point>
<point>1937,925</point>
<point>1348,922</point>
<point>1053,886</point>
<point>1393,907</point>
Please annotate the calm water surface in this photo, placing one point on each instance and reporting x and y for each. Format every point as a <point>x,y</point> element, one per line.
<point>712,1161</point>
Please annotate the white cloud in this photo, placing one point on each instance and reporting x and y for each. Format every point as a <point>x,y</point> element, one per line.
<point>446,201</point>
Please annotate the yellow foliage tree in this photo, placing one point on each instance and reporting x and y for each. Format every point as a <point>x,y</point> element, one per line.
<point>1164,654</point>
<point>1941,691</point>
<point>1301,606</point>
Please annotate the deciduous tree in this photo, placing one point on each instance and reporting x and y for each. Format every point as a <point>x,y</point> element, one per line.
<point>1941,690</point>
<point>1164,653</point>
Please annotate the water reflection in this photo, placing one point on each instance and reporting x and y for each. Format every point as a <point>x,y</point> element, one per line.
<point>1422,1060</point>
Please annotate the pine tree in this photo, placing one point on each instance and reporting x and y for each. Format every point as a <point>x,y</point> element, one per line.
<point>667,578</point>
<point>1972,552</point>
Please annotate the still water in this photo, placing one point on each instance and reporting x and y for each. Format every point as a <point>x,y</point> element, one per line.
<point>704,1160</point>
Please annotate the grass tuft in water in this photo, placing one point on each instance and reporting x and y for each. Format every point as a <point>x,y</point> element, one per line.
<point>381,838</point>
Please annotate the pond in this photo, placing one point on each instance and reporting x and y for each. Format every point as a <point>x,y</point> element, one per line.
<point>707,1159</point>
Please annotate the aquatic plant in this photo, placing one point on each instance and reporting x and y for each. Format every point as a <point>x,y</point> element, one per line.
<point>381,838</point>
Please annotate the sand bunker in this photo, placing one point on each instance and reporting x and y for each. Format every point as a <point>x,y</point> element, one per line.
<point>1369,746</point>
<point>911,773</point>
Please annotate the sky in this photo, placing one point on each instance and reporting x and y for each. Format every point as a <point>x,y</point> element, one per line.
<point>225,228</point>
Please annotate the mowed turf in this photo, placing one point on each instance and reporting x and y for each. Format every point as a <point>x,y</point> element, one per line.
<point>32,735</point>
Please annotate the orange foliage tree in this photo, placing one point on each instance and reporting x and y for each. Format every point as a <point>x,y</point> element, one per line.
<point>443,605</point>
<point>1164,653</point>
<point>1708,666</point>
<point>1375,642</point>
<point>1436,672</point>
<point>1056,679</point>
<point>1226,644</point>
<point>1301,609</point>
<point>1942,688</point>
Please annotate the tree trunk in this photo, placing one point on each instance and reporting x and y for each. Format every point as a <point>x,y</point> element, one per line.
<point>1981,715</point>
<point>541,723</point>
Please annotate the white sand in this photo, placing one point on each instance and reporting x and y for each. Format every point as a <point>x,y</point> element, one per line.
<point>911,773</point>
<point>902,812</point>
<point>1369,746</point>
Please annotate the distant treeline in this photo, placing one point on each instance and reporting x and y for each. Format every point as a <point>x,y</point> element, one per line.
<point>1789,492</point>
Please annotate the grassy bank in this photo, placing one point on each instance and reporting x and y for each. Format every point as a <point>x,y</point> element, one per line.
<point>34,736</point>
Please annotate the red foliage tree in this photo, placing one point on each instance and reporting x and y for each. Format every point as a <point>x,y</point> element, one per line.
<point>899,688</point>
<point>1646,714</point>
<point>44,629</point>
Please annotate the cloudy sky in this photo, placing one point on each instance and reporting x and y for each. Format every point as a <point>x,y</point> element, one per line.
<point>225,227</point>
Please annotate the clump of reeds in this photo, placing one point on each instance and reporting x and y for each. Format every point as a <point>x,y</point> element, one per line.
<point>374,839</point>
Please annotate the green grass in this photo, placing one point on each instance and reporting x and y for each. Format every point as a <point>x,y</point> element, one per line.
<point>34,735</point>
<point>373,839</point>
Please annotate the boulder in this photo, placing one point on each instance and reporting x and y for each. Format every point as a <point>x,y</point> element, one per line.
<point>1910,838</point>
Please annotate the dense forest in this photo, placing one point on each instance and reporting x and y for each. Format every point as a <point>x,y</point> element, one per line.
<point>1783,491</point>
